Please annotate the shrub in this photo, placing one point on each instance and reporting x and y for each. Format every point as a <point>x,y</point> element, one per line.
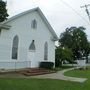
<point>47,65</point>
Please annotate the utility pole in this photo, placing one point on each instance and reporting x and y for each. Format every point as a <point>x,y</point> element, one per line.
<point>86,9</point>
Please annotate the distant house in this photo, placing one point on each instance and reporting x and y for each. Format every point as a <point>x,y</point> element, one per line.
<point>25,40</point>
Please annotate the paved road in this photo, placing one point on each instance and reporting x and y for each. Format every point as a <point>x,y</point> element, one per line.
<point>60,75</point>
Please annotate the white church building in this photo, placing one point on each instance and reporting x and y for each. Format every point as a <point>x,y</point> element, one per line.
<point>26,40</point>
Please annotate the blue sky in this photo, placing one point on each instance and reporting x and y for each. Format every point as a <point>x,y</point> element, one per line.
<point>59,14</point>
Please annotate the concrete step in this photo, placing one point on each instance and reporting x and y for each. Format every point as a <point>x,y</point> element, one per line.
<point>39,71</point>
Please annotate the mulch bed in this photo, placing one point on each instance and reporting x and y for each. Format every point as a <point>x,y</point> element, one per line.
<point>27,72</point>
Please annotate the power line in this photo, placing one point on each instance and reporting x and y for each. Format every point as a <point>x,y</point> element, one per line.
<point>75,11</point>
<point>88,1</point>
<point>86,9</point>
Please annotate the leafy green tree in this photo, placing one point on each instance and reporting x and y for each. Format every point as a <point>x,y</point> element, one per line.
<point>61,55</point>
<point>76,40</point>
<point>87,51</point>
<point>3,11</point>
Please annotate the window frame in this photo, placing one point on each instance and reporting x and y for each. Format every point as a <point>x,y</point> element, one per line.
<point>46,51</point>
<point>32,46</point>
<point>15,47</point>
<point>34,24</point>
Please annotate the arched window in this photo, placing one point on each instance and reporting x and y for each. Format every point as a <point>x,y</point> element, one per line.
<point>34,24</point>
<point>46,51</point>
<point>32,46</point>
<point>15,47</point>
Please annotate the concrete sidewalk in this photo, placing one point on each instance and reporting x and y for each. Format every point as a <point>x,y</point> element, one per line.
<point>60,75</point>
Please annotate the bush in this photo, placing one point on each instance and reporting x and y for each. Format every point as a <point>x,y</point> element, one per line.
<point>62,54</point>
<point>47,65</point>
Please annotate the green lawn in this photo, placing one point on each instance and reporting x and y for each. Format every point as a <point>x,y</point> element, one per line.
<point>37,84</point>
<point>82,74</point>
<point>46,84</point>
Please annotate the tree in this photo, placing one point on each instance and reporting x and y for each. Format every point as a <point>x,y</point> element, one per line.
<point>62,54</point>
<point>3,11</point>
<point>76,40</point>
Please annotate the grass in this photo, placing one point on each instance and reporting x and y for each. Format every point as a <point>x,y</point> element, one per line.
<point>63,67</point>
<point>37,84</point>
<point>81,74</point>
<point>7,83</point>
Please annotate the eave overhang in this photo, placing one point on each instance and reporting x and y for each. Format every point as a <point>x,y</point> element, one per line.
<point>6,27</point>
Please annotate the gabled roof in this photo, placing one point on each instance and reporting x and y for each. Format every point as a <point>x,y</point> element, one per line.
<point>42,16</point>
